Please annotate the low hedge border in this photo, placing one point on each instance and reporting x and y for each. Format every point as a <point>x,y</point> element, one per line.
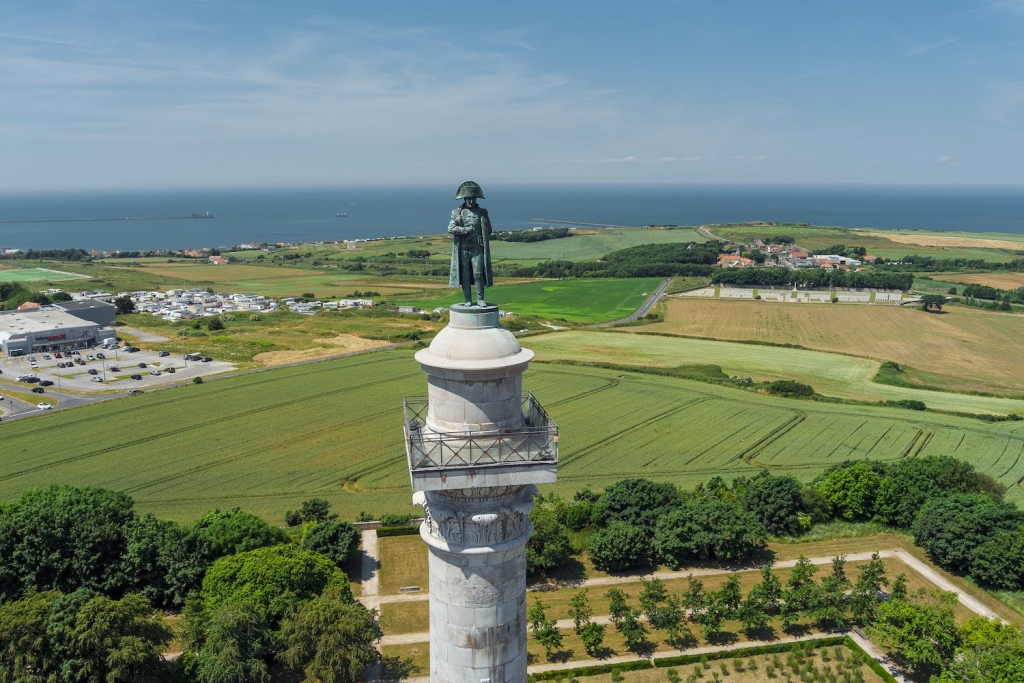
<point>385,531</point>
<point>682,660</point>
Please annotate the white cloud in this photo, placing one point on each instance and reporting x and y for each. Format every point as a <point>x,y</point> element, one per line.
<point>944,159</point>
<point>922,49</point>
<point>661,160</point>
<point>696,157</point>
<point>620,160</point>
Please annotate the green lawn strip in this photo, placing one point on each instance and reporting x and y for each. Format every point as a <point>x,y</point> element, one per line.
<point>590,245</point>
<point>830,374</point>
<point>37,275</point>
<point>28,397</point>
<point>575,301</point>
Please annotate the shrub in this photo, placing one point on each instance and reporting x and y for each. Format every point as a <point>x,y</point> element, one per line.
<point>197,380</point>
<point>790,389</point>
<point>255,317</point>
<point>395,520</point>
<point>1000,561</point>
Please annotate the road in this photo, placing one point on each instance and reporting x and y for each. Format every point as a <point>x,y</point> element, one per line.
<point>704,231</point>
<point>645,307</point>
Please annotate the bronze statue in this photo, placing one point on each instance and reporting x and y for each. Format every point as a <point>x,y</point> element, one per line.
<point>470,227</point>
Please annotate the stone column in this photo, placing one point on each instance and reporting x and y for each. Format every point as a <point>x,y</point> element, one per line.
<point>474,460</point>
<point>477,540</point>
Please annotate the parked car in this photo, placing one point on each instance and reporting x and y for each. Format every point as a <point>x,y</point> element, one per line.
<point>114,368</point>
<point>169,371</point>
<point>131,349</point>
<point>46,383</point>
<point>93,371</point>
<point>58,355</point>
<point>136,376</point>
<point>46,356</point>
<point>38,390</point>
<point>136,392</point>
<point>32,379</point>
<point>96,379</point>
<point>142,365</point>
<point>31,359</point>
<point>43,406</point>
<point>206,359</point>
<point>91,357</point>
<point>164,354</point>
<point>155,373</point>
<point>101,356</point>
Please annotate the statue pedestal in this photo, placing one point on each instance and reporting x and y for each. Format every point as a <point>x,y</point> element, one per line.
<point>476,447</point>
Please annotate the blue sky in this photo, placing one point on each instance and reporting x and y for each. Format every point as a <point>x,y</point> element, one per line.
<point>115,95</point>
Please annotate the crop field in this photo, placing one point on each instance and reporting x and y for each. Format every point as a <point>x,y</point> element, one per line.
<point>591,244</point>
<point>579,301</point>
<point>37,275</point>
<point>962,349</point>
<point>830,374</point>
<point>997,280</point>
<point>267,441</point>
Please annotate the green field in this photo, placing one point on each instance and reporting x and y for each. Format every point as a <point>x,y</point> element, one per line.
<point>266,441</point>
<point>578,301</point>
<point>829,373</point>
<point>589,245</point>
<point>37,275</point>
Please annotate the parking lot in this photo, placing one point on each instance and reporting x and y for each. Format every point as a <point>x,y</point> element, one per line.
<point>114,370</point>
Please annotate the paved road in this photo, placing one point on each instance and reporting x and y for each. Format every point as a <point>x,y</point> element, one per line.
<point>643,310</point>
<point>142,336</point>
<point>704,231</point>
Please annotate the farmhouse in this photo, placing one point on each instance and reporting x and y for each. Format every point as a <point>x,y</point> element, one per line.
<point>734,261</point>
<point>48,329</point>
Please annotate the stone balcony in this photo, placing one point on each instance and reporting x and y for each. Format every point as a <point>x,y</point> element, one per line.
<point>455,460</point>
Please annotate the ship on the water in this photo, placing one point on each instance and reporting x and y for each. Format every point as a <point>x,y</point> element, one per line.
<point>202,215</point>
<point>341,214</point>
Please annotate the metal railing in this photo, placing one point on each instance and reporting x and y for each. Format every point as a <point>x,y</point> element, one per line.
<point>535,442</point>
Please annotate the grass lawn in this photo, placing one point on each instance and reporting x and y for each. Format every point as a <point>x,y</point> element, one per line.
<point>406,560</point>
<point>284,337</point>
<point>961,349</point>
<point>587,245</point>
<point>830,374</point>
<point>576,301</point>
<point>37,275</point>
<point>266,441</point>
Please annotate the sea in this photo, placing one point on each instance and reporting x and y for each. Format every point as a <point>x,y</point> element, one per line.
<point>57,220</point>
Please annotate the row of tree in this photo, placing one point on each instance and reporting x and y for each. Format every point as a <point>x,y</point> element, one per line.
<point>531,235</point>
<point>813,278</point>
<point>954,512</point>
<point>13,294</point>
<point>645,260</point>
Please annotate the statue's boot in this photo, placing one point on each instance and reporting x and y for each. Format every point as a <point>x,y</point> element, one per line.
<point>480,295</point>
<point>467,291</point>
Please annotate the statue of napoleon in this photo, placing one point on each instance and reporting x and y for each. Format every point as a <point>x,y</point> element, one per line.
<point>470,227</point>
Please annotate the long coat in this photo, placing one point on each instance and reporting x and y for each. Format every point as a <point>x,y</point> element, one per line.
<point>465,221</point>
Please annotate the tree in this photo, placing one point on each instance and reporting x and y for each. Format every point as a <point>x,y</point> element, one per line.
<point>580,611</point>
<point>754,612</point>
<point>549,546</point>
<point>64,537</point>
<point>337,540</point>
<point>164,561</point>
<point>1000,561</point>
<point>849,491</point>
<point>633,632</point>
<point>638,502</point>
<point>544,630</point>
<point>990,651</point>
<point>619,547</point>
<point>951,528</point>
<point>930,302</point>
<point>592,636</point>
<point>829,602</point>
<point>776,502</point>
<point>123,305</point>
<point>316,510</point>
<point>230,647</point>
<point>617,606</point>
<point>899,588</point>
<point>909,483</point>
<point>653,596</point>
<point>920,631</point>
<point>229,533</point>
<point>47,636</point>
<point>711,618</point>
<point>707,529</point>
<point>864,597</point>
<point>331,638</point>
<point>273,580</point>
<point>799,598</point>
<point>729,596</point>
<point>214,324</point>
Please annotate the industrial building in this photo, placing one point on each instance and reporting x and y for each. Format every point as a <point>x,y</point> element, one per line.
<point>93,310</point>
<point>45,329</point>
